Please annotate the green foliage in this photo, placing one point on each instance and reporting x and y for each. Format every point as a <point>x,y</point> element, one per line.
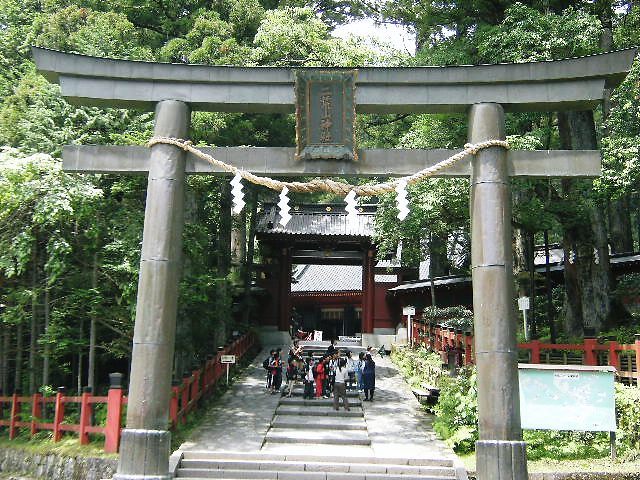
<point>527,34</point>
<point>296,36</point>
<point>628,420</point>
<point>210,41</point>
<point>418,365</point>
<point>457,410</point>
<point>82,30</point>
<point>457,317</point>
<point>565,445</point>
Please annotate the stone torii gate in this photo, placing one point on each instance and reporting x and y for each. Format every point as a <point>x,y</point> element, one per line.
<point>485,92</point>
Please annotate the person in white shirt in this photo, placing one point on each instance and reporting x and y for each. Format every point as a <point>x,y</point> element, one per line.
<point>351,369</point>
<point>340,385</point>
<point>308,380</point>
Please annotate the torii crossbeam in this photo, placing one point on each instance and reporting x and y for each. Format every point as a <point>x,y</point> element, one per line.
<point>485,92</point>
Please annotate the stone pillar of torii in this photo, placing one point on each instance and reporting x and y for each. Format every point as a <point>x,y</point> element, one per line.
<point>484,92</point>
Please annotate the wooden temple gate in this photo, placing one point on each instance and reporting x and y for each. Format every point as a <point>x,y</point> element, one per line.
<point>483,92</point>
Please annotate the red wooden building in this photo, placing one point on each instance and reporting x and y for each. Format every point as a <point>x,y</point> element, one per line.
<point>321,271</point>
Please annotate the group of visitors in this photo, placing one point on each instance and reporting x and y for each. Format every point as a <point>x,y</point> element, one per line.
<point>333,373</point>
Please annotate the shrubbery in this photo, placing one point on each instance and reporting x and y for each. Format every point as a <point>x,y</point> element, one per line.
<point>457,415</point>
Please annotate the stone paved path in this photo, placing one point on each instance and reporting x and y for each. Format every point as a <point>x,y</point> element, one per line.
<point>396,424</point>
<point>239,422</point>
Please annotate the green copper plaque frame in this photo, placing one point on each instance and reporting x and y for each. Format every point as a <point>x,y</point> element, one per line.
<point>325,115</point>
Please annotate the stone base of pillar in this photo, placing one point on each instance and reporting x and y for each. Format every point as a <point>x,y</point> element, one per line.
<point>144,455</point>
<point>501,460</point>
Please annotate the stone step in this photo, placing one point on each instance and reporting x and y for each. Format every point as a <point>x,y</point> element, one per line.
<point>325,423</point>
<point>310,450</point>
<point>195,473</point>
<point>289,457</point>
<point>298,391</point>
<point>314,411</point>
<point>325,437</point>
<point>309,466</point>
<point>315,402</point>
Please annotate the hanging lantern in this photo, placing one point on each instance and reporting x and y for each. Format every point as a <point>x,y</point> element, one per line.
<point>401,200</point>
<point>284,207</point>
<point>238,194</point>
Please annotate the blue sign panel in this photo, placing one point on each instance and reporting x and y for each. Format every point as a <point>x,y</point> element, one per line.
<point>567,397</point>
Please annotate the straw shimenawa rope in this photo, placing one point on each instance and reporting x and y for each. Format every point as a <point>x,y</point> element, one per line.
<point>325,184</point>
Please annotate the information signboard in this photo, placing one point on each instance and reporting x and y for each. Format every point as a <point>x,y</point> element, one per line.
<point>228,359</point>
<point>409,310</point>
<point>567,397</point>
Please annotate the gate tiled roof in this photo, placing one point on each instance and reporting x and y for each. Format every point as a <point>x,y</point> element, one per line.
<point>318,220</point>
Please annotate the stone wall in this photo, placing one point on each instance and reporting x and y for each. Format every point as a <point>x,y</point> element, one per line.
<point>55,467</point>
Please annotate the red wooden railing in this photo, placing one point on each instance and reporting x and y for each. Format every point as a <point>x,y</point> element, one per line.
<point>30,412</point>
<point>624,357</point>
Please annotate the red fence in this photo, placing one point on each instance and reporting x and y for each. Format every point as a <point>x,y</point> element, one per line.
<point>62,411</point>
<point>459,345</point>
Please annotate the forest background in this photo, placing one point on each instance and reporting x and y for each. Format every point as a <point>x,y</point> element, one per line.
<point>70,244</point>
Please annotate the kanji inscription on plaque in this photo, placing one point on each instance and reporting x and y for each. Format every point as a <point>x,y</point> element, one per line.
<point>325,115</point>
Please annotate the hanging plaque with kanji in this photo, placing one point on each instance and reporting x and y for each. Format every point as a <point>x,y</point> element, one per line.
<point>325,115</point>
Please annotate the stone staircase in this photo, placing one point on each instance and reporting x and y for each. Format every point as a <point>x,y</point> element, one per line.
<point>309,440</point>
<point>315,422</point>
<point>268,466</point>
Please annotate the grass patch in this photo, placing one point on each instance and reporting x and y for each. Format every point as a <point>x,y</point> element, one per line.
<point>547,465</point>
<point>68,446</point>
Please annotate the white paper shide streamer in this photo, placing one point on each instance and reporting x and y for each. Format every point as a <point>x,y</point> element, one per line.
<point>401,200</point>
<point>352,211</point>
<point>238,194</point>
<point>284,207</point>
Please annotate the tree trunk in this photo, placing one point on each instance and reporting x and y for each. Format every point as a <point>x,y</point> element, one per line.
<point>438,259</point>
<point>595,280</point>
<point>4,361</point>
<point>239,238</point>
<point>224,234</point>
<point>550,313</point>
<point>572,309</point>
<point>33,334</point>
<point>91,367</point>
<point>532,285</point>
<point>80,355</point>
<point>620,225</point>
<point>47,319</point>
<point>17,380</point>
<point>520,259</point>
<point>248,264</point>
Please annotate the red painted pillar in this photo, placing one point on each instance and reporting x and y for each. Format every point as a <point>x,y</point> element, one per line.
<point>637,349</point>
<point>590,352</point>
<point>186,379</point>
<point>85,416</point>
<point>614,359</point>
<point>58,416</point>
<point>535,351</point>
<point>468,355</point>
<point>114,414</point>
<point>195,387</point>
<point>175,403</point>
<point>284,319</point>
<point>368,290</point>
<point>15,413</point>
<point>36,412</point>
